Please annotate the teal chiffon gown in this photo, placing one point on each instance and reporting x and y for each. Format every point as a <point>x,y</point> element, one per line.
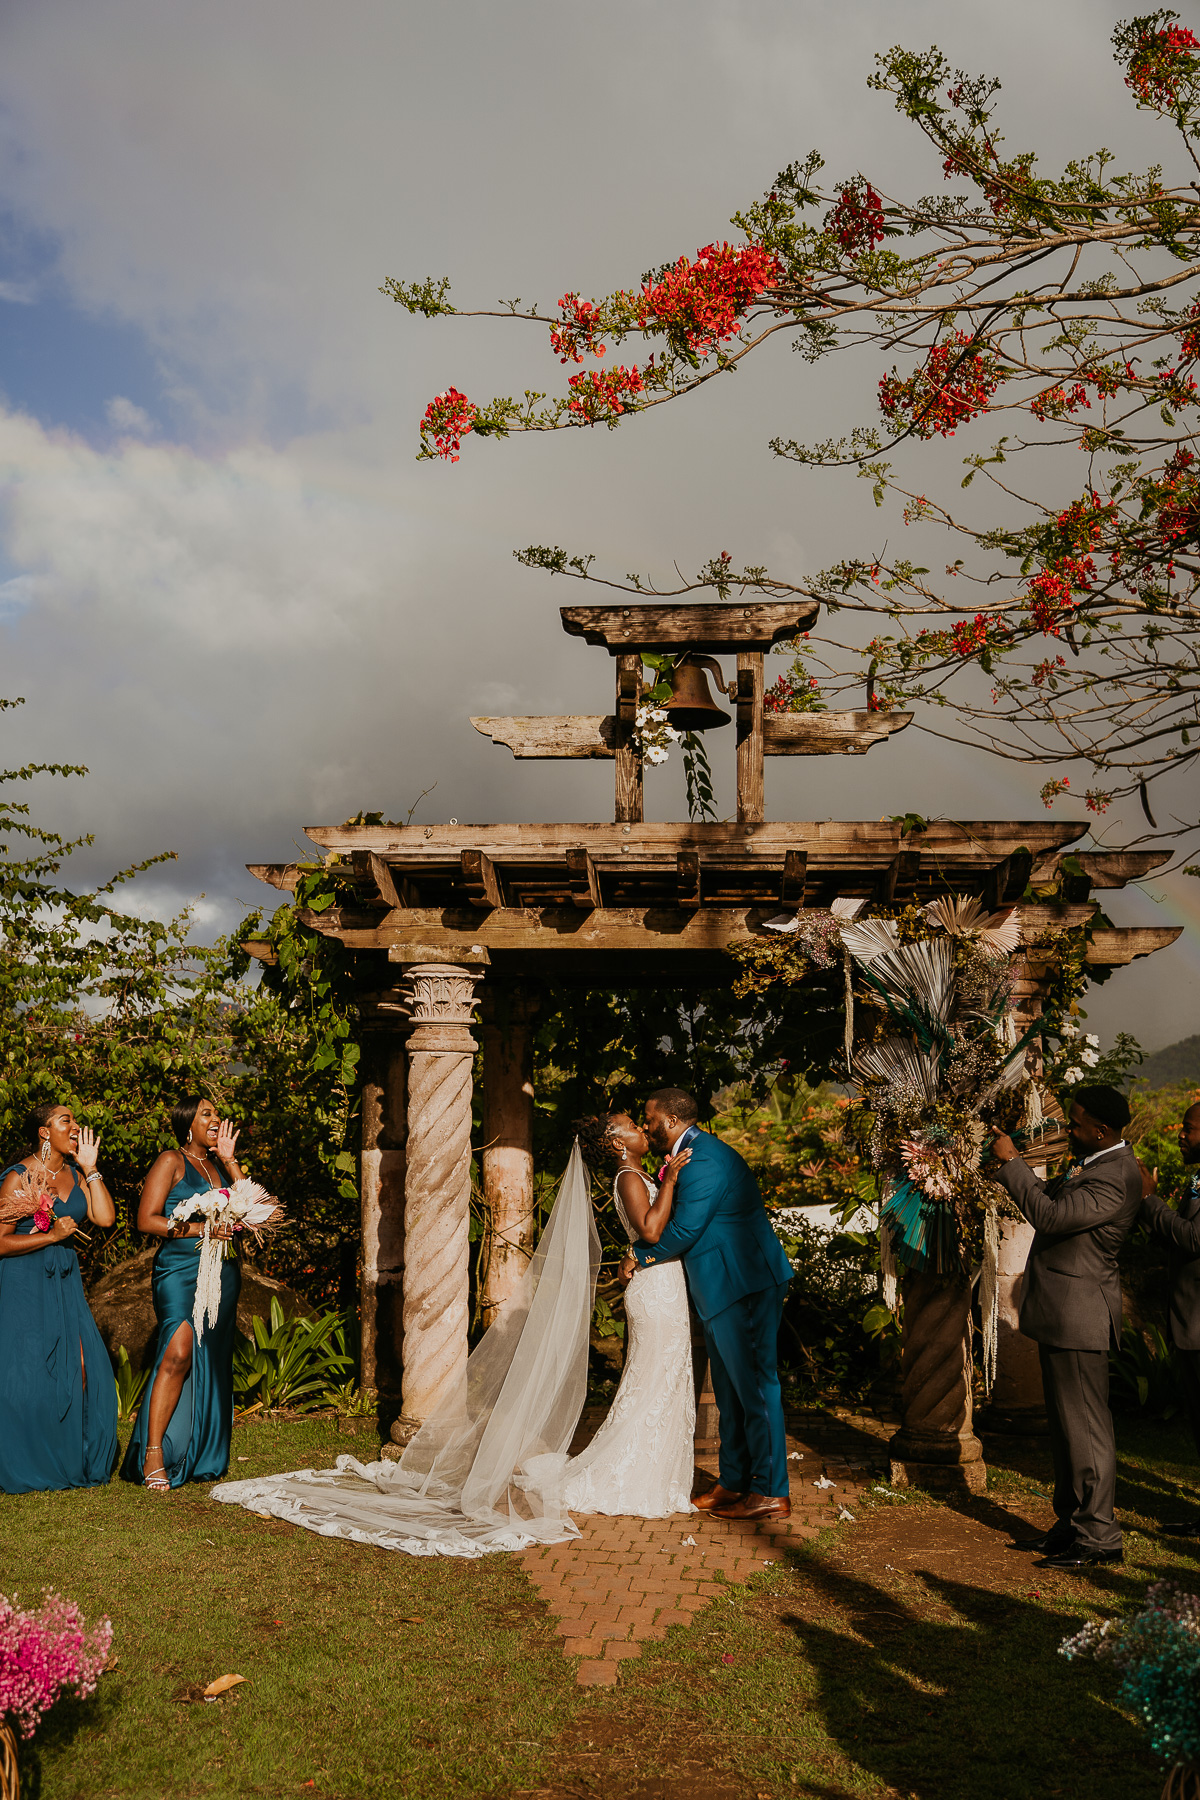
<point>196,1440</point>
<point>58,1400</point>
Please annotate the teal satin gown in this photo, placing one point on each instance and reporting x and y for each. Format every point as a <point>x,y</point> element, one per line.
<point>58,1417</point>
<point>196,1440</point>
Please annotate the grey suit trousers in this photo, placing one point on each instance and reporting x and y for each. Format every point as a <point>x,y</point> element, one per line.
<point>1187,1364</point>
<point>1082,1445</point>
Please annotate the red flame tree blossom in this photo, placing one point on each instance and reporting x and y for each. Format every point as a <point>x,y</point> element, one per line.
<point>448,418</point>
<point>1023,311</point>
<point>955,383</point>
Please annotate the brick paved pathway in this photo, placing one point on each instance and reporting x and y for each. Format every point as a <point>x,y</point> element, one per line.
<point>624,1581</point>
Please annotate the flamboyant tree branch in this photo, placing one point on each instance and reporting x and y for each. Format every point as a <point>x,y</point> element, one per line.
<point>1068,303</point>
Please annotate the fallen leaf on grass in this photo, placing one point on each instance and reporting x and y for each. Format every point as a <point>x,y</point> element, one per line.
<point>221,1685</point>
<point>112,1663</point>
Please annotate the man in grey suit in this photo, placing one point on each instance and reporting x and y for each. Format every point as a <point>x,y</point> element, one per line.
<point>1181,1232</point>
<point>1071,1307</point>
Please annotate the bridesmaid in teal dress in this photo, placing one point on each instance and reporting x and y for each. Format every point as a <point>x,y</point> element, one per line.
<point>184,1423</point>
<point>58,1401</point>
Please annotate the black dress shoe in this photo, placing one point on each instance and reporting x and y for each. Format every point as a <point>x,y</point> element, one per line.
<point>1049,1544</point>
<point>1190,1530</point>
<point>1079,1557</point>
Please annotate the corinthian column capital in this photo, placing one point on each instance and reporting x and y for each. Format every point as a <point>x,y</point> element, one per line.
<point>441,1003</point>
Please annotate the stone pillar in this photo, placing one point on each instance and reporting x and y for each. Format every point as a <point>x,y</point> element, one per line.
<point>507,1156</point>
<point>382,1167</point>
<point>935,1446</point>
<point>441,1000</point>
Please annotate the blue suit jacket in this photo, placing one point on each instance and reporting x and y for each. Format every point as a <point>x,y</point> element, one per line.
<point>719,1228</point>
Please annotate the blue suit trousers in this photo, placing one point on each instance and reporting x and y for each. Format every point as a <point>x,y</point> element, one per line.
<point>742,1347</point>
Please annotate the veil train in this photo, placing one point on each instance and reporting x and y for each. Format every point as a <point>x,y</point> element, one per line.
<point>457,1489</point>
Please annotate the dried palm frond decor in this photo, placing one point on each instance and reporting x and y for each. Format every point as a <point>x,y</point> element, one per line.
<point>937,1061</point>
<point>934,1057</point>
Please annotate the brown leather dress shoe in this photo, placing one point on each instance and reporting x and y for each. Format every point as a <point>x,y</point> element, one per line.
<point>716,1496</point>
<point>755,1507</point>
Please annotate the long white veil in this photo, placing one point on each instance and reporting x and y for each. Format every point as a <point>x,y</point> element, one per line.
<point>456,1490</point>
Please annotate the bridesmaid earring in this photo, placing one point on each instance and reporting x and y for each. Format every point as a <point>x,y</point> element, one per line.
<point>189,1137</point>
<point>46,1149</point>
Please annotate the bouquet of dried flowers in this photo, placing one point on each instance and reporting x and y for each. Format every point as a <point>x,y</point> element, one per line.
<point>243,1207</point>
<point>33,1199</point>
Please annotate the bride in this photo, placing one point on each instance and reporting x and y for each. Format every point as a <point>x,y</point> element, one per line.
<point>489,1469</point>
<point>641,1461</point>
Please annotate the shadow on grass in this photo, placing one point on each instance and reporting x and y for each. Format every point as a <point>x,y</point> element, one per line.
<point>58,1730</point>
<point>954,1690</point>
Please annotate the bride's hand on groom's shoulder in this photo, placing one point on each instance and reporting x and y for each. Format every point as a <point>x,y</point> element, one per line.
<point>675,1163</point>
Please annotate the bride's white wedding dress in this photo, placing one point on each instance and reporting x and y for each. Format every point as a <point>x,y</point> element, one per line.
<point>641,1461</point>
<point>489,1470</point>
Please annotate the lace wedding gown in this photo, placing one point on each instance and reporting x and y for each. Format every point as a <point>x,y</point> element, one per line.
<point>641,1462</point>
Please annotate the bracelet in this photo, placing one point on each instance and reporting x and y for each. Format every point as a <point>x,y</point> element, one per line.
<point>94,1176</point>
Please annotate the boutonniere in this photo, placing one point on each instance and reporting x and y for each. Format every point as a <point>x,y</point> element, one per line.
<point>662,1169</point>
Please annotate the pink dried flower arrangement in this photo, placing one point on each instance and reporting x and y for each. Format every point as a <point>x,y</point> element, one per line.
<point>47,1653</point>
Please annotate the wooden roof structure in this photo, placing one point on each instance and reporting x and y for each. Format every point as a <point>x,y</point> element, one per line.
<point>634,902</point>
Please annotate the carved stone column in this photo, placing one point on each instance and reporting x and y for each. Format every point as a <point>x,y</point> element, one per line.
<point>441,1001</point>
<point>382,1168</point>
<point>507,1156</point>
<point>936,1447</point>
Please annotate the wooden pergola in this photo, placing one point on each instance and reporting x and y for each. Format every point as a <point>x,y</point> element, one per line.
<point>444,920</point>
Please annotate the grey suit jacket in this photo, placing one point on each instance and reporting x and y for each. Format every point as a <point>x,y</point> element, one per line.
<point>1071,1294</point>
<point>1181,1231</point>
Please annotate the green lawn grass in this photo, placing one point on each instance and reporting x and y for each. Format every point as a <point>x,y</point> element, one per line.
<point>371,1673</point>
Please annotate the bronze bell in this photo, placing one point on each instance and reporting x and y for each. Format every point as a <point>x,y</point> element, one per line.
<point>691,706</point>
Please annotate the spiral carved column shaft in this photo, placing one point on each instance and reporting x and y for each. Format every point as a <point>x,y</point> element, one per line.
<point>936,1446</point>
<point>437,1190</point>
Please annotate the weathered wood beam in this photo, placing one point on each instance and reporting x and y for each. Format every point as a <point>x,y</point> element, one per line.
<point>1112,869</point>
<point>794,880</point>
<point>1008,880</point>
<point>629,784</point>
<point>585,882</point>
<point>659,929</point>
<point>829,734</point>
<point>983,842</point>
<point>751,794</point>
<point>280,875</point>
<point>896,881</point>
<point>688,878</point>
<point>553,737</point>
<point>479,872</point>
<point>261,951</point>
<point>1112,948</point>
<point>714,630</point>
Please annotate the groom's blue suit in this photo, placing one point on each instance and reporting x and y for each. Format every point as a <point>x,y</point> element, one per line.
<point>737,1275</point>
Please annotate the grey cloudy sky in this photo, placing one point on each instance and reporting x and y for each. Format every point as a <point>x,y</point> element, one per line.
<point>226,585</point>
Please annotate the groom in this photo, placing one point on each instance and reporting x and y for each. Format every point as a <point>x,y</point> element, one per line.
<point>737,1275</point>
